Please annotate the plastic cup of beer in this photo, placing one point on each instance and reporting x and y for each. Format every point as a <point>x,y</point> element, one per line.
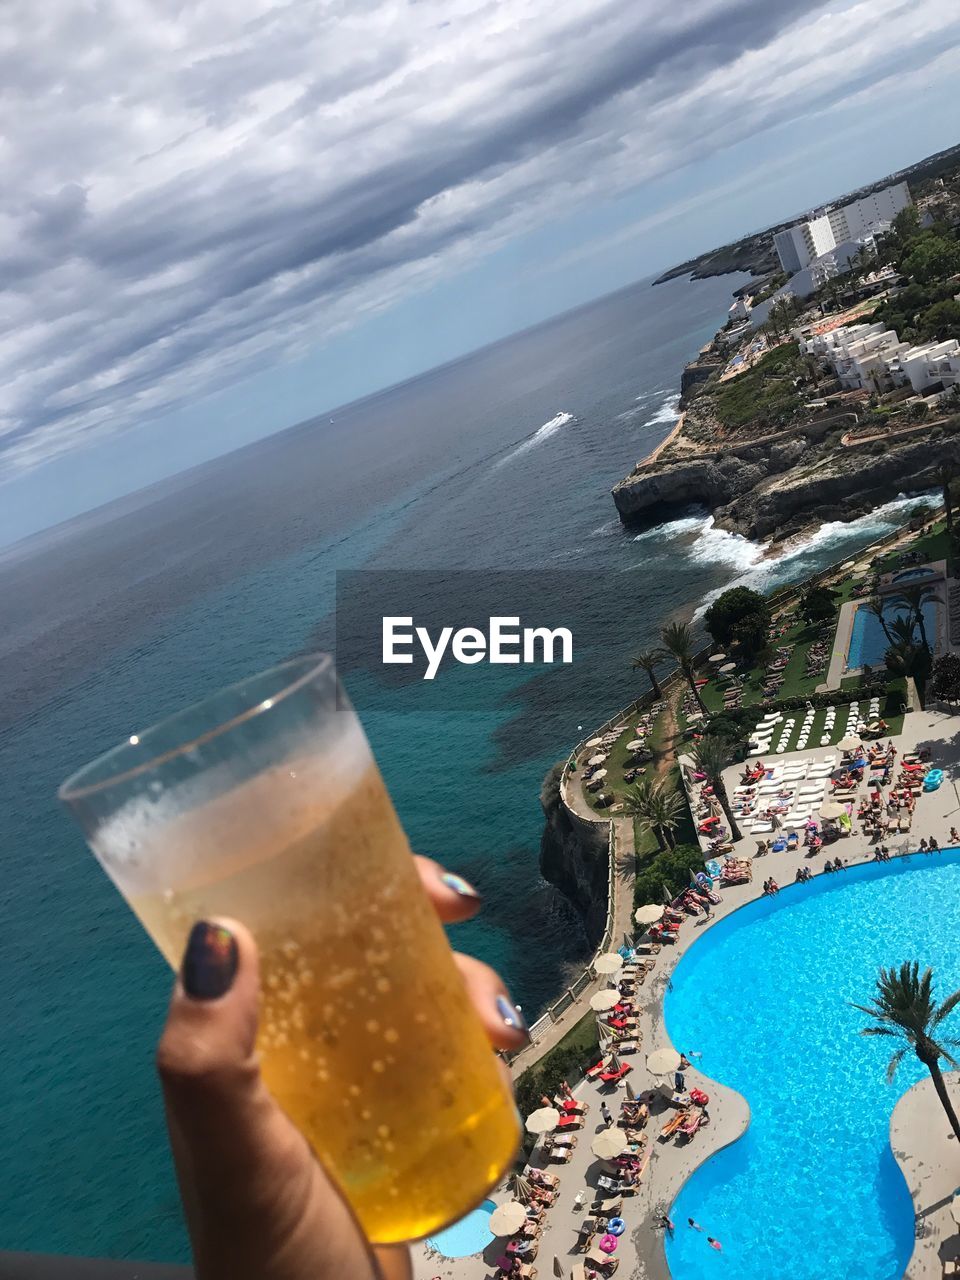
<point>264,803</point>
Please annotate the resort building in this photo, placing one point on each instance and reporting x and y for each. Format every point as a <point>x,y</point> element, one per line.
<point>869,357</point>
<point>740,310</point>
<point>801,244</point>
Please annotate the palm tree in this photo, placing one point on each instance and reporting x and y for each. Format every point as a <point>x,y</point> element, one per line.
<point>678,642</point>
<point>904,1009</point>
<point>875,606</point>
<point>945,475</point>
<point>712,754</point>
<point>656,808</point>
<point>648,660</point>
<point>915,597</point>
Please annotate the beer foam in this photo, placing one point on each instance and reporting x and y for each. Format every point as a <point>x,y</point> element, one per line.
<point>207,827</point>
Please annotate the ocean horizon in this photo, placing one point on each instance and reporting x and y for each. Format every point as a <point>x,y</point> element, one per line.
<point>500,460</point>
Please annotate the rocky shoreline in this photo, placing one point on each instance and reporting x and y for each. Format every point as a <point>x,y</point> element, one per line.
<point>775,488</point>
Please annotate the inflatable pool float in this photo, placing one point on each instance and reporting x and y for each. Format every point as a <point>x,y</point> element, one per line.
<point>616,1226</point>
<point>608,1243</point>
<point>933,780</point>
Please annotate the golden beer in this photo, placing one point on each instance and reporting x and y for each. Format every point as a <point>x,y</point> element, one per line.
<point>367,1037</point>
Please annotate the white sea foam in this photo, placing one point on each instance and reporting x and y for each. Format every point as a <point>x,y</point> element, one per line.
<point>764,572</point>
<point>548,429</point>
<point>674,528</point>
<point>668,411</point>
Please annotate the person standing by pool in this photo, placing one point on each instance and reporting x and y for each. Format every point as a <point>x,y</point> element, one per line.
<point>605,1112</point>
<point>954,836</point>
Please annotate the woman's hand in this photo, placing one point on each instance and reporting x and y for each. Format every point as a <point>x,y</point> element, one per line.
<point>258,1204</point>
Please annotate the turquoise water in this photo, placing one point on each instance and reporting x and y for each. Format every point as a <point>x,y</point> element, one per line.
<point>470,1235</point>
<point>911,575</point>
<point>812,1190</point>
<point>868,644</point>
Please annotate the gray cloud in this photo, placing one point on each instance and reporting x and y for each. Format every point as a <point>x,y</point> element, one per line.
<point>207,194</point>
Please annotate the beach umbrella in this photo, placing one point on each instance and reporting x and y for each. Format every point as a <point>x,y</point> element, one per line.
<point>717,657</point>
<point>609,1144</point>
<point>649,914</point>
<point>695,715</point>
<point>727,667</point>
<point>636,745</point>
<point>832,809</point>
<point>600,773</point>
<point>609,962</point>
<point>663,1061</point>
<point>543,1120</point>
<point>520,1188</point>
<point>604,1000</point>
<point>628,1090</point>
<point>598,758</point>
<point>557,1266</point>
<point>850,743</point>
<point>594,742</point>
<point>508,1218</point>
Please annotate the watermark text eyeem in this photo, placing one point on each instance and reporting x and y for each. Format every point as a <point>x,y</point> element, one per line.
<point>504,642</point>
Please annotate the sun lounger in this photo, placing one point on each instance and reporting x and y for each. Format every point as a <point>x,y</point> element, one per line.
<point>611,1077</point>
<point>603,1262</point>
<point>588,1229</point>
<point>572,1122</point>
<point>674,1124</point>
<point>609,1207</point>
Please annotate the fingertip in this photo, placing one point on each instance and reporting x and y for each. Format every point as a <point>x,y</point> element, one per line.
<point>454,898</point>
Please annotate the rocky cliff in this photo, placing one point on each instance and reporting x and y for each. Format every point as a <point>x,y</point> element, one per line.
<point>774,488</point>
<point>573,857</point>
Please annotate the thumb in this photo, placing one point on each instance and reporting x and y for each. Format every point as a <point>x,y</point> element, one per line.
<point>258,1205</point>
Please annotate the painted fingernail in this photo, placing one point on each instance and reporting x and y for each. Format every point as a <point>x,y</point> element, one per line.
<point>463,888</point>
<point>209,961</point>
<point>511,1016</point>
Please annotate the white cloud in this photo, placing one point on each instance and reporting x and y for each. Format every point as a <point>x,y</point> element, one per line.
<point>192,193</point>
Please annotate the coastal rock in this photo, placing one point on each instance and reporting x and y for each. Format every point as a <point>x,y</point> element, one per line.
<point>573,858</point>
<point>773,488</point>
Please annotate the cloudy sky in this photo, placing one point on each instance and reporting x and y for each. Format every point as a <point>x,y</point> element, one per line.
<point>218,219</point>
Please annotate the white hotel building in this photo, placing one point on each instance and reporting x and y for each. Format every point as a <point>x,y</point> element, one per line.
<point>872,358</point>
<point>799,245</point>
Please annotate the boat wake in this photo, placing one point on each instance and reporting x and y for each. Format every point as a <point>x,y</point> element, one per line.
<point>548,429</point>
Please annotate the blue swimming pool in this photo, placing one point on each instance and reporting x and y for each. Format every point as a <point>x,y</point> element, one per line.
<point>868,644</point>
<point>812,1190</point>
<point>470,1235</point>
<point>910,575</point>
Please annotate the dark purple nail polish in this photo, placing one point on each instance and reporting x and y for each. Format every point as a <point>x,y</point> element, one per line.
<point>209,961</point>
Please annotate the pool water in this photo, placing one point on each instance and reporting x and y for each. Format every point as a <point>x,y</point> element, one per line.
<point>868,644</point>
<point>812,1190</point>
<point>910,575</point>
<point>470,1235</point>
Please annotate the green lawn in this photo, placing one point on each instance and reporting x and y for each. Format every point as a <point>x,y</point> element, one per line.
<point>932,546</point>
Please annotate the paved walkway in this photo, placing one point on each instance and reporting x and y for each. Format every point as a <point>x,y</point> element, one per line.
<point>927,1153</point>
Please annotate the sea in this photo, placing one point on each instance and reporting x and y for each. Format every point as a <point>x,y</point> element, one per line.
<point>500,461</point>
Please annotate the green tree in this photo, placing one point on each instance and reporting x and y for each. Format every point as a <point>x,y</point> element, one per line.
<point>941,321</point>
<point>904,1009</point>
<point>648,660</point>
<point>657,808</point>
<point>751,634</point>
<point>945,474</point>
<point>713,754</point>
<point>915,596</point>
<point>876,606</point>
<point>931,257</point>
<point>818,604</point>
<point>731,607</point>
<point>678,642</point>
<point>945,683</point>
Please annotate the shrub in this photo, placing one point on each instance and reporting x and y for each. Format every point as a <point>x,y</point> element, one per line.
<point>669,870</point>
